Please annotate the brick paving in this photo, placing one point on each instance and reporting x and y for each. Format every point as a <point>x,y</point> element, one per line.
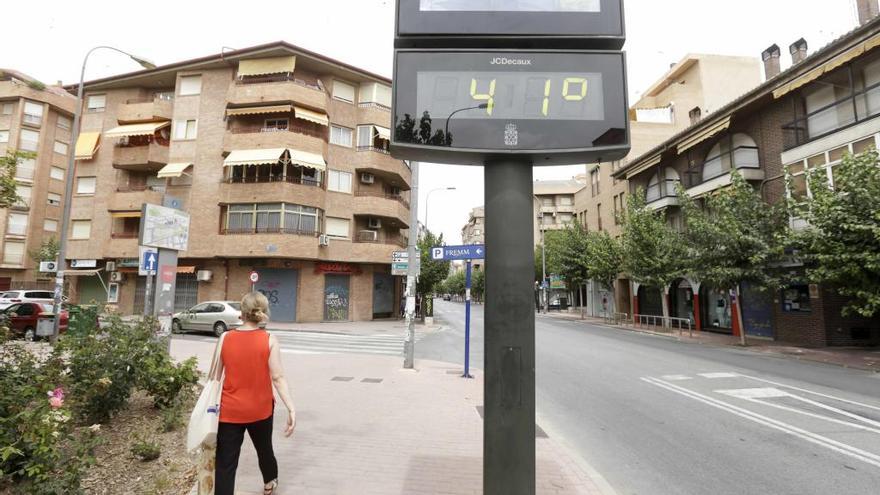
<point>379,429</point>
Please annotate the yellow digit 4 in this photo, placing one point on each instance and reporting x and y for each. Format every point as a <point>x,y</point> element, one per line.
<point>488,98</point>
<point>582,82</point>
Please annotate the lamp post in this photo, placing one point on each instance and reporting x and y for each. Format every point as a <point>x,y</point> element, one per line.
<point>428,198</point>
<point>544,291</point>
<point>481,106</point>
<point>68,181</point>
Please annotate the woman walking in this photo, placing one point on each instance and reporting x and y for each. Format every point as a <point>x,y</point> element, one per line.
<point>251,362</point>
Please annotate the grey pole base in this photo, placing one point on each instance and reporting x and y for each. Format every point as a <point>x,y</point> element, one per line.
<point>509,420</point>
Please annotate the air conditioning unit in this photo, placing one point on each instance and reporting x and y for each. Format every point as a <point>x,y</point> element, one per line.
<point>368,236</point>
<point>204,275</point>
<point>110,267</point>
<point>117,277</point>
<point>48,267</point>
<point>368,178</point>
<point>374,223</point>
<point>324,240</point>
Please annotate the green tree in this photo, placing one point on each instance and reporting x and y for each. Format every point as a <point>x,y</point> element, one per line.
<point>48,251</point>
<point>603,259</point>
<point>432,271</point>
<point>842,243</point>
<point>8,164</point>
<point>653,252</point>
<point>455,283</point>
<point>478,284</point>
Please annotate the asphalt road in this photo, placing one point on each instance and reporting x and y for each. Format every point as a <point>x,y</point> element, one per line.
<point>656,416</point>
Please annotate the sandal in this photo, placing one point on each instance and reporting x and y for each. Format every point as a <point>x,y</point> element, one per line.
<point>270,490</point>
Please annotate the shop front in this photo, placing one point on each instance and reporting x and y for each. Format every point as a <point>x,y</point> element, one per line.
<point>716,312</point>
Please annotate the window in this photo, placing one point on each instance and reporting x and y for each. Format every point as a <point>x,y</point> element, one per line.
<point>190,85</point>
<point>547,219</point>
<point>566,200</point>
<point>864,145</point>
<point>96,103</point>
<point>7,109</point>
<point>339,181</point>
<point>52,198</point>
<point>86,185</point>
<point>343,91</point>
<point>594,182</point>
<point>599,216</point>
<point>375,93</point>
<point>28,140</point>
<point>185,129</point>
<point>16,224</point>
<point>13,253</point>
<point>64,123</point>
<point>60,147</point>
<point>271,218</point>
<point>547,201</point>
<point>50,225</point>
<point>276,125</point>
<point>340,135</point>
<point>796,299</point>
<point>4,136</point>
<point>695,114</point>
<point>337,227</point>
<point>80,229</point>
<point>365,136</point>
<point>564,218</point>
<point>33,113</point>
<point>24,193</point>
<point>57,173</point>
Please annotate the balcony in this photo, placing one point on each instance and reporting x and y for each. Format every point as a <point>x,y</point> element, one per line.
<point>379,237</point>
<point>715,172</point>
<point>257,137</point>
<point>858,107</point>
<point>274,89</point>
<point>662,194</point>
<point>151,156</point>
<point>145,110</point>
<point>391,207</point>
<point>380,163</point>
<point>297,190</point>
<point>131,198</point>
<point>124,246</point>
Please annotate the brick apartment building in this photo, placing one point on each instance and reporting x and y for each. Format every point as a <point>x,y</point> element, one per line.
<point>34,118</point>
<point>808,117</point>
<point>280,155</point>
<point>474,232</point>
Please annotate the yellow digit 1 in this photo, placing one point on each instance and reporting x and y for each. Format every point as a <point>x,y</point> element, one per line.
<point>546,106</point>
<point>488,98</point>
<point>574,80</point>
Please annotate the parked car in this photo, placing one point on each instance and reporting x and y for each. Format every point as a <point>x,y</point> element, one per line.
<point>447,297</point>
<point>211,316</point>
<point>11,297</point>
<point>23,318</point>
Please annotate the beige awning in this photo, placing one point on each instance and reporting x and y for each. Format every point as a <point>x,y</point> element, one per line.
<point>383,132</point>
<point>704,134</point>
<point>264,66</point>
<point>82,273</point>
<point>310,160</point>
<point>254,157</point>
<point>311,116</point>
<point>258,110</point>
<point>136,129</point>
<point>651,162</point>
<point>125,214</point>
<point>186,269</point>
<point>828,66</point>
<point>173,170</point>
<point>87,145</point>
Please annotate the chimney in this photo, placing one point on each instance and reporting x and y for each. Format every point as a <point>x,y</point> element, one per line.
<point>868,9</point>
<point>798,51</point>
<point>771,61</point>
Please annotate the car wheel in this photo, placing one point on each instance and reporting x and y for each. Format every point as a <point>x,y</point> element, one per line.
<point>29,334</point>
<point>219,328</point>
<point>176,327</point>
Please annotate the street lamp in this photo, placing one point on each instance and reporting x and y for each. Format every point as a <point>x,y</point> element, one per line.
<point>428,198</point>
<point>481,106</point>
<point>68,181</point>
<point>545,299</point>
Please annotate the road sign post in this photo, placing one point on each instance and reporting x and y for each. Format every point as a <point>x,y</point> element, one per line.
<point>466,253</point>
<point>467,320</point>
<point>254,277</point>
<point>148,262</point>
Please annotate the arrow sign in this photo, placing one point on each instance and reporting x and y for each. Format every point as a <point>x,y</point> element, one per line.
<point>469,252</point>
<point>149,260</point>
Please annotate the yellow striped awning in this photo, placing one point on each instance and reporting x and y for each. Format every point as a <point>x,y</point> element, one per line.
<point>383,132</point>
<point>136,129</point>
<point>310,160</point>
<point>311,116</point>
<point>704,134</point>
<point>654,160</point>
<point>264,66</point>
<point>125,214</point>
<point>254,157</point>
<point>258,110</point>
<point>173,170</point>
<point>87,145</point>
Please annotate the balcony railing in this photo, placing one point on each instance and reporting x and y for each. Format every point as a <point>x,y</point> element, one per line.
<point>377,194</point>
<point>123,235</point>
<point>267,230</point>
<point>364,237</point>
<point>720,165</point>
<point>373,104</point>
<point>857,107</point>
<point>291,128</point>
<point>377,149</point>
<point>304,181</point>
<point>664,189</point>
<point>271,78</point>
<point>151,99</point>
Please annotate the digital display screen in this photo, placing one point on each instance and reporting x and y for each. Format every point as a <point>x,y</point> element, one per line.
<point>510,5</point>
<point>512,95</point>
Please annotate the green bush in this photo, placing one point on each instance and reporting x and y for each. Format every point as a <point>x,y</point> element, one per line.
<point>164,380</point>
<point>146,450</point>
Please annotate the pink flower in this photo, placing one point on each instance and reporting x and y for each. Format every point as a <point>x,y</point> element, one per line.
<point>58,392</point>
<point>56,402</point>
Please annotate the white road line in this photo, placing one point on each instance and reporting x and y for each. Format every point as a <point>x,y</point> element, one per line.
<point>677,378</point>
<point>828,443</point>
<point>718,375</point>
<point>778,384</point>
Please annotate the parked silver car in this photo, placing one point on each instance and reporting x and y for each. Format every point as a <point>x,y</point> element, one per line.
<point>211,316</point>
<point>10,297</point>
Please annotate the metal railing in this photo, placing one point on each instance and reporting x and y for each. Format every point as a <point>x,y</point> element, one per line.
<point>273,78</point>
<point>363,237</point>
<point>268,230</point>
<point>377,194</point>
<point>857,107</point>
<point>374,148</point>
<point>617,318</point>
<point>123,235</point>
<point>663,189</point>
<point>373,104</point>
<point>259,129</point>
<point>266,179</point>
<point>664,324</point>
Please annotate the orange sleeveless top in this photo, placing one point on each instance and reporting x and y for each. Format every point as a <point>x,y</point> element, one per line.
<point>247,385</point>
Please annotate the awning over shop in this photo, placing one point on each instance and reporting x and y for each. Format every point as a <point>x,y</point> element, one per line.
<point>311,116</point>
<point>254,157</point>
<point>383,132</point>
<point>310,160</point>
<point>147,129</point>
<point>125,214</point>
<point>82,273</point>
<point>173,170</point>
<point>258,110</point>
<point>87,145</point>
<point>828,66</point>
<point>704,134</point>
<point>186,269</point>
<point>264,66</point>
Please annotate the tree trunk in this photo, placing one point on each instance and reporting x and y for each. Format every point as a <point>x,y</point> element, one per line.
<point>664,299</point>
<point>739,316</point>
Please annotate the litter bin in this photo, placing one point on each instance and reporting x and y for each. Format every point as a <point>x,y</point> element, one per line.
<point>45,325</point>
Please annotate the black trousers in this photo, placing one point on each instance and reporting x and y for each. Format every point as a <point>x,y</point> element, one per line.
<point>229,438</point>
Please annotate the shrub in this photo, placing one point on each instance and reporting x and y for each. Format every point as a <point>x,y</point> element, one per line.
<point>145,450</point>
<point>164,380</point>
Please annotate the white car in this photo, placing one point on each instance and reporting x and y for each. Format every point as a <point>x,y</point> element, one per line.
<point>11,297</point>
<point>211,316</point>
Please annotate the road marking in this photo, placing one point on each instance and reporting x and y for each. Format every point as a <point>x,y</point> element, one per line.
<point>718,375</point>
<point>826,442</point>
<point>819,394</point>
<point>677,378</point>
<point>754,393</point>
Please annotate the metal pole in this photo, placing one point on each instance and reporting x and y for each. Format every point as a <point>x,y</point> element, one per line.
<point>412,270</point>
<point>509,395</point>
<point>148,292</point>
<point>467,321</point>
<point>544,275</point>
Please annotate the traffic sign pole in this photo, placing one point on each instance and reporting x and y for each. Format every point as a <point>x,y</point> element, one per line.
<point>467,321</point>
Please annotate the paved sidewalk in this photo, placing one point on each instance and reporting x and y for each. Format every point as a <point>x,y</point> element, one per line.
<point>847,357</point>
<point>366,426</point>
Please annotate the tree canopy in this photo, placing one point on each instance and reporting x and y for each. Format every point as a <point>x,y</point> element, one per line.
<point>432,271</point>
<point>8,164</point>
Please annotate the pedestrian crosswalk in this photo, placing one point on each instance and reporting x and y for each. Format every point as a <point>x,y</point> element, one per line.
<point>305,342</point>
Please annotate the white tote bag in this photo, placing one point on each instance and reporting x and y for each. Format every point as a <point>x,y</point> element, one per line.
<point>203,421</point>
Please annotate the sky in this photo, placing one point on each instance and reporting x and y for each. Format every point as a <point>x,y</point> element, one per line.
<point>55,35</point>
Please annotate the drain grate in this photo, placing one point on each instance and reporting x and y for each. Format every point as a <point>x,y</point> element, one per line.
<point>342,379</point>
<point>371,380</point>
<point>539,433</point>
